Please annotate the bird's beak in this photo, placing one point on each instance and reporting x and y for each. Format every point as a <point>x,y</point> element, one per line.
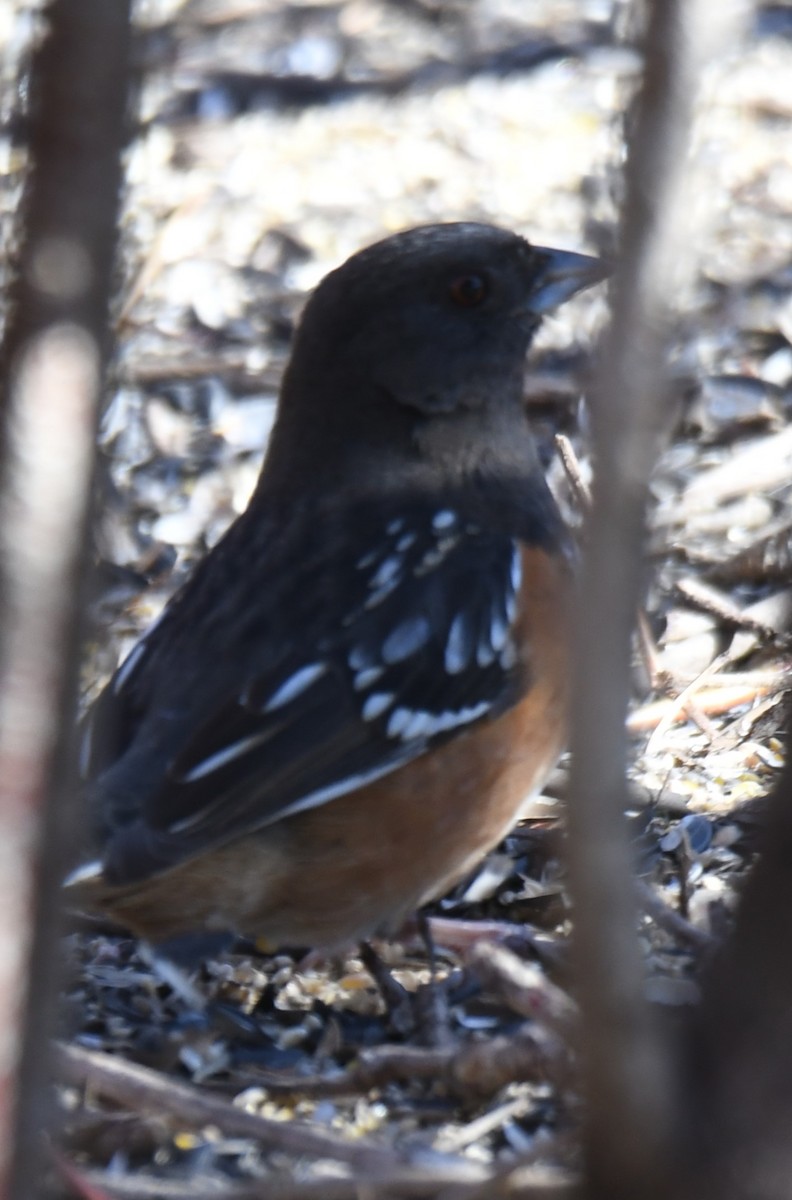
<point>561,274</point>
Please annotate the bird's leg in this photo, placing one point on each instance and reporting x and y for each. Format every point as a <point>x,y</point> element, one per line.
<point>425,934</point>
<point>398,1001</point>
<point>431,1000</point>
<point>176,978</point>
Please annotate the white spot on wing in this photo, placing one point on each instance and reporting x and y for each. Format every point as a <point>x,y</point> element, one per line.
<point>411,723</point>
<point>364,679</point>
<point>85,873</point>
<point>136,653</point>
<point>485,655</point>
<point>350,784</point>
<point>430,560</point>
<point>395,526</point>
<point>459,647</point>
<point>214,762</point>
<point>499,631</point>
<point>419,724</point>
<point>386,572</point>
<point>511,607</point>
<point>381,594</point>
<point>516,568</point>
<point>361,658</point>
<point>128,666</point>
<point>406,542</point>
<point>444,519</point>
<point>376,704</point>
<point>405,639</point>
<point>398,721</point>
<point>295,685</point>
<point>436,554</point>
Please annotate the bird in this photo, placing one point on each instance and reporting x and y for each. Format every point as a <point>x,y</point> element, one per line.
<point>345,706</point>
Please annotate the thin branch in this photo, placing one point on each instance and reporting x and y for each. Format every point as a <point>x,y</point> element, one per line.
<point>631,1103</point>
<point>145,1091</point>
<point>471,1071</point>
<point>374,1167</point>
<point>523,987</point>
<point>671,921</point>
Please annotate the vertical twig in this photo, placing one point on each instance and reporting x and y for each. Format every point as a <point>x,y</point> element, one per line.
<point>627,1080</point>
<point>52,363</point>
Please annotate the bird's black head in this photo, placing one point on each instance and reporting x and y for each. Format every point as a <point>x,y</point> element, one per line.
<point>427,325</point>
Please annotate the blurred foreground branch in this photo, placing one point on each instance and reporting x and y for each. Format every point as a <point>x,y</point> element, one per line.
<point>631,1093</point>
<point>52,364</point>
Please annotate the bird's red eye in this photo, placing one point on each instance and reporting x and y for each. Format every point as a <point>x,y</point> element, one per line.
<point>468,291</point>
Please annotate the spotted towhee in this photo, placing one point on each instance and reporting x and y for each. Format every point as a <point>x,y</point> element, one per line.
<point>347,704</point>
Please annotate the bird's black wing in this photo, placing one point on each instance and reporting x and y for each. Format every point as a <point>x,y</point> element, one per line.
<point>404,639</point>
